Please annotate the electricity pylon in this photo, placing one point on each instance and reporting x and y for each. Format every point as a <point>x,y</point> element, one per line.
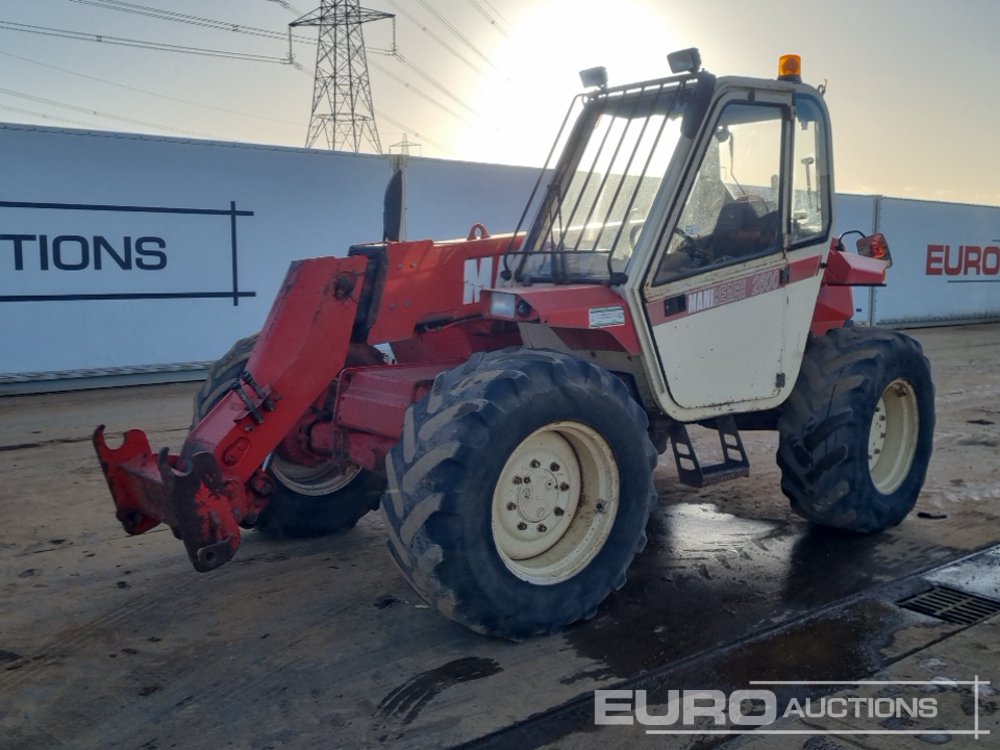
<point>342,110</point>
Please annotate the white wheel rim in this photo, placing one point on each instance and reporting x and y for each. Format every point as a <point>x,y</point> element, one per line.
<point>313,481</point>
<point>892,437</point>
<point>555,502</point>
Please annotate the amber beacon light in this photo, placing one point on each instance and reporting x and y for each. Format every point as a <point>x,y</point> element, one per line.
<point>790,68</point>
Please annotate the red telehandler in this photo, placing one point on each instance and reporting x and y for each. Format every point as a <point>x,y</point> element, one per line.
<point>676,268</point>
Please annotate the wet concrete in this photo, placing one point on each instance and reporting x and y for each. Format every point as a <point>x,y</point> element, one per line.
<point>710,578</point>
<point>855,638</point>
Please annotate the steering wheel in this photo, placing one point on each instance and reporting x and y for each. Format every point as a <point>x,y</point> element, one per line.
<point>698,257</point>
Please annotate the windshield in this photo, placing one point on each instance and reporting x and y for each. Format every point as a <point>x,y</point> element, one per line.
<point>593,212</point>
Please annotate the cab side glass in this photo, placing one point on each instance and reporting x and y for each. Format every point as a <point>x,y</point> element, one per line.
<point>733,211</point>
<point>810,215</point>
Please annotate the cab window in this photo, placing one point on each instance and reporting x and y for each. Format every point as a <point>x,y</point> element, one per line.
<point>733,211</point>
<point>810,174</point>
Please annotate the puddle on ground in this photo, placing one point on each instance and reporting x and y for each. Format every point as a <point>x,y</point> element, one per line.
<point>709,578</point>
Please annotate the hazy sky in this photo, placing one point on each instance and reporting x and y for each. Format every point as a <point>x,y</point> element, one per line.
<point>910,82</point>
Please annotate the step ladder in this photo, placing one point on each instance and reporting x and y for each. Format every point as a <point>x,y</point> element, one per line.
<point>733,466</point>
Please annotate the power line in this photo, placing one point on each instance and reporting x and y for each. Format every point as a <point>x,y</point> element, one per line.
<point>289,7</point>
<point>96,113</point>
<point>146,91</point>
<point>451,27</point>
<point>439,86</point>
<point>430,80</point>
<point>33,113</point>
<point>406,14</point>
<point>489,19</point>
<point>401,125</point>
<point>414,89</point>
<point>138,43</point>
<point>496,12</point>
<point>211,23</point>
<point>406,129</point>
<point>422,94</point>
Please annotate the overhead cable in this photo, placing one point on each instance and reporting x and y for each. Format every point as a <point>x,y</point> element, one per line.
<point>420,25</point>
<point>139,43</point>
<point>458,34</point>
<point>489,18</point>
<point>96,113</point>
<point>147,91</point>
<point>211,23</point>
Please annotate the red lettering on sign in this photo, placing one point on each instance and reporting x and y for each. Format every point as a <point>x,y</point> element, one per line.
<point>973,253</point>
<point>933,267</point>
<point>991,260</point>
<point>949,268</point>
<point>966,260</point>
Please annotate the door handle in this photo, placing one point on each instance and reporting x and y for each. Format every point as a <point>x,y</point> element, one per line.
<point>674,305</point>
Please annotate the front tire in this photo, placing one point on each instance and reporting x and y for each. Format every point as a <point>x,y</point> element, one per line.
<point>856,435</point>
<point>520,491</point>
<point>307,501</point>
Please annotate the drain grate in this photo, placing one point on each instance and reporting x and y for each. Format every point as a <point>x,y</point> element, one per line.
<point>951,605</point>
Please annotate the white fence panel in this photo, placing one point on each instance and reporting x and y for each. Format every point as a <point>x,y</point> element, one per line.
<point>121,252</point>
<point>124,253</point>
<point>946,263</point>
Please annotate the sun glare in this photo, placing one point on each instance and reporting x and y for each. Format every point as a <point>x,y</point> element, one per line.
<point>536,76</point>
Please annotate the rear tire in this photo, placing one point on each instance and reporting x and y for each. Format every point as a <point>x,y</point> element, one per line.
<point>520,491</point>
<point>856,435</point>
<point>307,501</point>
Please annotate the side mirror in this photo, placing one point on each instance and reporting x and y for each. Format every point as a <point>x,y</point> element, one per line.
<point>875,246</point>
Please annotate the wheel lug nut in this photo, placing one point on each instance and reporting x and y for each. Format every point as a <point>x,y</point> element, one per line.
<point>554,466</point>
<point>543,528</point>
<point>600,506</point>
<point>564,486</point>
<point>527,480</point>
<point>559,511</point>
<point>522,526</point>
<point>534,463</point>
<point>511,506</point>
<point>518,480</point>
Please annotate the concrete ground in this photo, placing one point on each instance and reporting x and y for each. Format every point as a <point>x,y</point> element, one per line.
<point>109,641</point>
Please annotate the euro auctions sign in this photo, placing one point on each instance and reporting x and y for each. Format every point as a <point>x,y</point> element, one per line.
<point>946,264</point>
<point>891,706</point>
<point>62,252</point>
<point>963,260</point>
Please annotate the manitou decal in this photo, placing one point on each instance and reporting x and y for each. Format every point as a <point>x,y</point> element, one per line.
<point>480,273</point>
<point>964,260</point>
<point>717,295</point>
<point>733,291</point>
<point>60,252</point>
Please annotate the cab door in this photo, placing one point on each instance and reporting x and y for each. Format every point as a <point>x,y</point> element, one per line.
<point>716,301</point>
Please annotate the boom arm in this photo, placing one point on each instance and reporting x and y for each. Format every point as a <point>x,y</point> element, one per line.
<point>216,484</point>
